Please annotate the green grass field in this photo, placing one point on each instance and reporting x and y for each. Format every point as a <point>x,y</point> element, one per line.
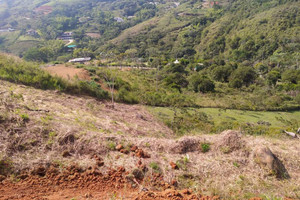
<point>255,122</point>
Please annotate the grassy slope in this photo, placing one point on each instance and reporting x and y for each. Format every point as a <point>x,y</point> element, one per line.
<point>277,119</point>
<point>97,129</point>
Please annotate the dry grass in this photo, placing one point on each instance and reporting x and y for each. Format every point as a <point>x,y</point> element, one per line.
<point>84,127</point>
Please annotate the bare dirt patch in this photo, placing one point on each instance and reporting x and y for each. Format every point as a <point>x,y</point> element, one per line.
<point>68,73</point>
<point>93,35</point>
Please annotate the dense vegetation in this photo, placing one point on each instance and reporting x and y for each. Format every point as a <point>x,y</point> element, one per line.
<point>232,54</point>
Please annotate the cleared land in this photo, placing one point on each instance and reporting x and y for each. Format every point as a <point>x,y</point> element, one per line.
<point>68,72</point>
<point>45,132</point>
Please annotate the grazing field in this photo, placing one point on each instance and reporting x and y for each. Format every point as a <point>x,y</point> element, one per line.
<point>217,120</point>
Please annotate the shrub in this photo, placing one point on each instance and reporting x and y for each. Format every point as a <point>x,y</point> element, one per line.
<point>205,147</point>
<point>242,76</point>
<point>154,166</point>
<point>111,145</point>
<point>200,83</point>
<point>24,117</point>
<point>126,96</point>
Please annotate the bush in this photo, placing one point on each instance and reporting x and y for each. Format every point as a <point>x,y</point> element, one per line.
<point>205,147</point>
<point>126,96</point>
<point>242,76</point>
<point>200,83</point>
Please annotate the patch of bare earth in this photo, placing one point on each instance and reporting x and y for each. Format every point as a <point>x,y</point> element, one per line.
<point>68,72</point>
<point>126,153</point>
<point>93,35</point>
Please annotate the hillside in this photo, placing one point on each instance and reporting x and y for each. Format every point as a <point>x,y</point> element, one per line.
<point>50,139</point>
<point>175,100</point>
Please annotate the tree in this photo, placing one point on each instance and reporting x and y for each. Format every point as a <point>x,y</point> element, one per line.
<point>222,73</point>
<point>242,76</point>
<point>291,76</point>
<point>272,77</point>
<point>34,54</point>
<point>201,83</point>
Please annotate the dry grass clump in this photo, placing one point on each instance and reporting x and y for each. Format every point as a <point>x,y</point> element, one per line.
<point>185,145</point>
<point>229,141</point>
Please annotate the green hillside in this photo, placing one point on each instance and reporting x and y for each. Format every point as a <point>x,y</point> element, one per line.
<point>240,54</point>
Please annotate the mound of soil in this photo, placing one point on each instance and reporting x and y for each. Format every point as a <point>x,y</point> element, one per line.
<point>230,141</point>
<point>71,182</point>
<point>185,144</point>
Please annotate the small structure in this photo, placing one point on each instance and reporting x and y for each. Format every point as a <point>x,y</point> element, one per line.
<point>66,36</point>
<point>7,30</point>
<point>119,19</point>
<point>176,61</point>
<point>71,46</point>
<point>177,4</point>
<point>80,60</point>
<point>32,32</point>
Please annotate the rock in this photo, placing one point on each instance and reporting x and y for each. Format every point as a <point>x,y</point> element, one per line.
<point>99,163</point>
<point>187,191</point>
<point>139,163</point>
<point>267,160</point>
<point>134,148</point>
<point>66,154</point>
<point>22,176</point>
<point>138,174</point>
<point>173,165</point>
<point>41,171</point>
<point>230,141</point>
<point>141,154</point>
<point>174,183</point>
<point>125,151</point>
<point>88,195</point>
<point>119,147</point>
<point>2,178</point>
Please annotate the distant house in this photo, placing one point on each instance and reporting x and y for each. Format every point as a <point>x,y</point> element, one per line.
<point>7,30</point>
<point>176,61</point>
<point>66,36</point>
<point>84,19</point>
<point>32,32</point>
<point>177,4</point>
<point>80,60</point>
<point>210,4</point>
<point>119,19</point>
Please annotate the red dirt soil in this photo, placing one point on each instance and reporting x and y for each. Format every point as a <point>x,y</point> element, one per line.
<point>68,72</point>
<point>74,183</point>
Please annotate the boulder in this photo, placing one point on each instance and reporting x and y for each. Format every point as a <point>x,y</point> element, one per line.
<point>138,174</point>
<point>2,178</point>
<point>269,161</point>
<point>173,165</point>
<point>119,147</point>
